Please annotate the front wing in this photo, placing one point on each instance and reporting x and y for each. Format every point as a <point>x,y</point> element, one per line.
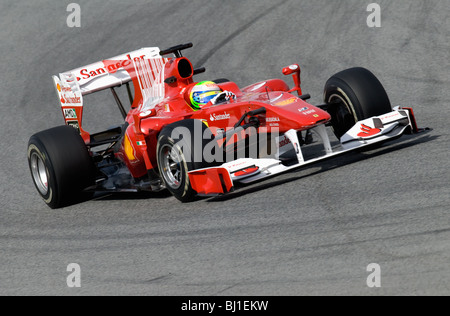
<point>220,180</point>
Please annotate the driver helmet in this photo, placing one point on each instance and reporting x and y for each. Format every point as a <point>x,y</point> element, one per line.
<point>202,93</point>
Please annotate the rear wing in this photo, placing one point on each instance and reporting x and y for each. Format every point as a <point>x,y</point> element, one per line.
<point>145,67</point>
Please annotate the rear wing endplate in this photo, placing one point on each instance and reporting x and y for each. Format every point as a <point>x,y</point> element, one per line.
<point>146,66</point>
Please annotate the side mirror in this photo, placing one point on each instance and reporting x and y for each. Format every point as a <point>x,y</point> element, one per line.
<point>294,70</point>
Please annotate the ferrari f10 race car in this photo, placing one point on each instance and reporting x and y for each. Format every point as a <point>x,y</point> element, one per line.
<point>201,138</point>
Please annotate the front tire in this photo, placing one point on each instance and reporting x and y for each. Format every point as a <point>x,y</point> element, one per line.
<point>177,156</point>
<point>60,165</point>
<point>353,95</point>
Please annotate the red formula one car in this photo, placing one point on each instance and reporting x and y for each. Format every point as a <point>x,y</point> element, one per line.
<point>201,138</point>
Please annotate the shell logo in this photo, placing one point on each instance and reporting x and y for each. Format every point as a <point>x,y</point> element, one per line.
<point>286,102</point>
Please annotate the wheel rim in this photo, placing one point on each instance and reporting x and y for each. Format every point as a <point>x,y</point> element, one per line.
<point>39,172</point>
<point>342,115</point>
<point>170,165</point>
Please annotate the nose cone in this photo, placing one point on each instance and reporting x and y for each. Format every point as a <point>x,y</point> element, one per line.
<point>297,114</point>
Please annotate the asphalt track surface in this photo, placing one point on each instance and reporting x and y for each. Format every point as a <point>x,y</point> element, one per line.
<point>309,232</point>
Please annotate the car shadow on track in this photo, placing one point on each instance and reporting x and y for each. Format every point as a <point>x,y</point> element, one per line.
<point>124,196</point>
<point>331,164</point>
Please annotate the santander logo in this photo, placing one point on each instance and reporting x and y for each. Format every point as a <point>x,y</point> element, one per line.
<point>219,117</point>
<point>106,67</point>
<point>109,67</point>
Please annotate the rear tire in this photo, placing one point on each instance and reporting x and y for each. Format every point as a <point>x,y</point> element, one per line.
<point>60,165</point>
<point>353,95</point>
